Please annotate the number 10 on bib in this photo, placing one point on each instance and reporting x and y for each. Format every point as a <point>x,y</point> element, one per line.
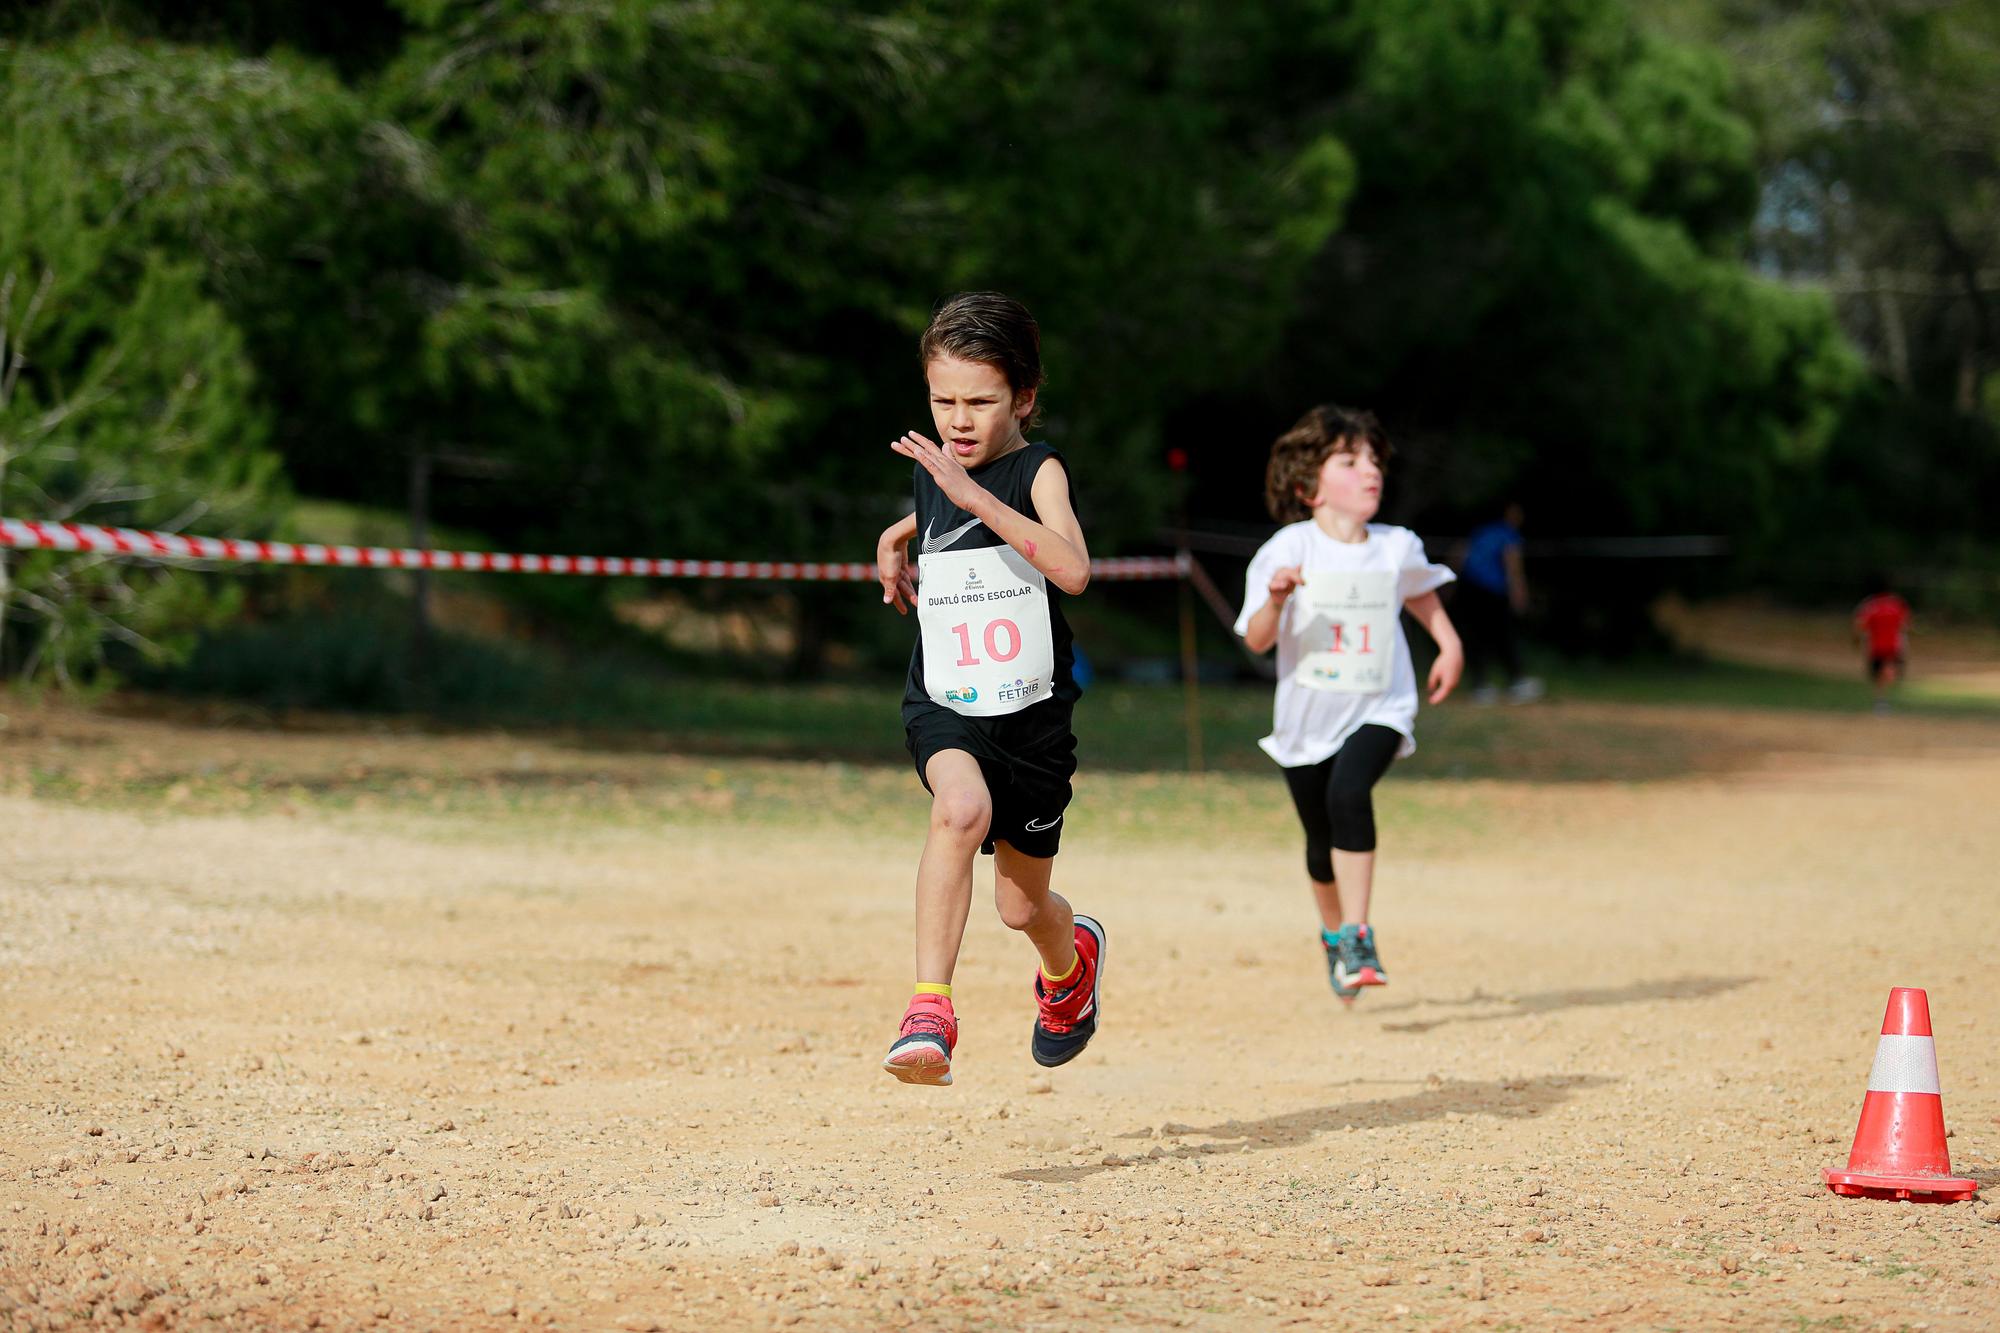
<point>1348,642</point>
<point>984,617</point>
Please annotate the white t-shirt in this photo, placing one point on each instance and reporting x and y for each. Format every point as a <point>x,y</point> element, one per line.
<point>1311,724</point>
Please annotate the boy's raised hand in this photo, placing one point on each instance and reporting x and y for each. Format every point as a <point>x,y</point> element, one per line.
<point>1285,582</point>
<point>949,474</point>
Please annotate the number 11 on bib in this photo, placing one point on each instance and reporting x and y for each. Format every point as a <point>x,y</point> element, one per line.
<point>1348,643</point>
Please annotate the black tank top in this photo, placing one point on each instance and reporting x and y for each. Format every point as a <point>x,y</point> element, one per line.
<point>943,526</point>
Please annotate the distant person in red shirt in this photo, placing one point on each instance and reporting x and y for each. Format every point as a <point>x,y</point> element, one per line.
<point>1880,622</point>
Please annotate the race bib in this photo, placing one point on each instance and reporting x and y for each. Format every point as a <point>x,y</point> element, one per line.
<point>984,618</point>
<point>1348,642</point>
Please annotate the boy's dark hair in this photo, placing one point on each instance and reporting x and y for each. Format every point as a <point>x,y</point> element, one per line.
<point>1298,455</point>
<point>993,329</point>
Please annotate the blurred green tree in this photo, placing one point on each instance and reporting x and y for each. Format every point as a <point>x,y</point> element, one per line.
<point>1542,281</point>
<point>626,276</point>
<point>1879,148</point>
<point>713,231</point>
<point>708,236</point>
<point>126,393</point>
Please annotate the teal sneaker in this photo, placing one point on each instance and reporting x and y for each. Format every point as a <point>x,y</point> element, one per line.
<point>1330,941</point>
<point>1355,962</point>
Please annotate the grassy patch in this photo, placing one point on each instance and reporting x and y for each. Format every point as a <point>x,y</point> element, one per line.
<point>1735,685</point>
<point>505,789</point>
<point>612,742</point>
<point>1122,728</point>
<point>352,654</point>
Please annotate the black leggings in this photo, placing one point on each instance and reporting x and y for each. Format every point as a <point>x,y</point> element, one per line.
<point>1335,796</point>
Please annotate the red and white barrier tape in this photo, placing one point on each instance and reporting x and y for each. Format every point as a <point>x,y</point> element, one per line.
<point>1142,567</point>
<point>27,535</point>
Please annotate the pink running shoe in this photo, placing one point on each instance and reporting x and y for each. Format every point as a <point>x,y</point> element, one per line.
<point>922,1054</point>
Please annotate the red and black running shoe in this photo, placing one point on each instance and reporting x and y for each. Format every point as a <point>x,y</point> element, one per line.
<point>1066,1020</point>
<point>922,1053</point>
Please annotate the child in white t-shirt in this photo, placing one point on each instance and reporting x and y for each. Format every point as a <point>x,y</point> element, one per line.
<point>1328,590</point>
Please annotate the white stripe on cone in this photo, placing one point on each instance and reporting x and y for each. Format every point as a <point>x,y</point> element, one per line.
<point>1904,1064</point>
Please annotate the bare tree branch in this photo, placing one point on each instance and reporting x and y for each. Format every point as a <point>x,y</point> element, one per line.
<point>10,368</point>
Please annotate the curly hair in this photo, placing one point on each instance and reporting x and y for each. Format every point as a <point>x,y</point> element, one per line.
<point>1292,475</point>
<point>993,329</point>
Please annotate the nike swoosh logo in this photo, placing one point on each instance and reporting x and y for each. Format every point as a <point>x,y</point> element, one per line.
<point>1035,826</point>
<point>932,545</point>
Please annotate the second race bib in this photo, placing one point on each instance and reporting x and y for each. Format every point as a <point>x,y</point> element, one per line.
<point>1348,642</point>
<point>984,618</point>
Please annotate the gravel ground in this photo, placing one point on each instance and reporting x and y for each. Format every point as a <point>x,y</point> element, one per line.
<point>352,1029</point>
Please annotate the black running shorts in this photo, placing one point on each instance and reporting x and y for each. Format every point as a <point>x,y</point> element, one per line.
<point>1879,664</point>
<point>1029,787</point>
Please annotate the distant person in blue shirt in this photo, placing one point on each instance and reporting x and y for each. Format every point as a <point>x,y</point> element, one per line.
<point>1492,594</point>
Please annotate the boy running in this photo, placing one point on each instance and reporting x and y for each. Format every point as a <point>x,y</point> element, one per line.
<point>1881,621</point>
<point>1328,589</point>
<point>986,712</point>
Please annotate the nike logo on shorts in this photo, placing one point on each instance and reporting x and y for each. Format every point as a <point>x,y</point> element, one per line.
<point>1037,826</point>
<point>932,545</point>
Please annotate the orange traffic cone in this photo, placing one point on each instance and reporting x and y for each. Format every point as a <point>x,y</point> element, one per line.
<point>1899,1150</point>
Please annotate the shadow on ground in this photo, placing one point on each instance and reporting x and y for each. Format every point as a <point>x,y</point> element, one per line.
<point>1509,1098</point>
<point>1548,1002</point>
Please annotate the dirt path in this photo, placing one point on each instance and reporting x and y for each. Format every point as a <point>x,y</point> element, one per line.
<point>1953,658</point>
<point>440,1058</point>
